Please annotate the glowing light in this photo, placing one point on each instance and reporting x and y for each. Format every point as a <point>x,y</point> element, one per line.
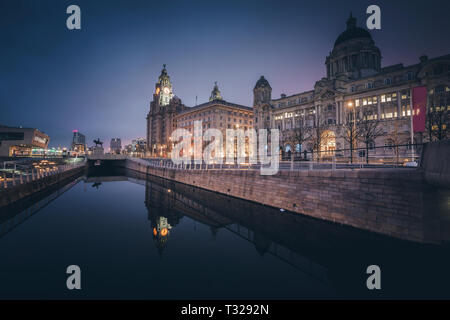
<point>164,232</point>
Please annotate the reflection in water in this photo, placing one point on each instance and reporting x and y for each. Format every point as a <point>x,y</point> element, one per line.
<point>96,185</point>
<point>144,237</point>
<point>13,215</point>
<point>166,207</point>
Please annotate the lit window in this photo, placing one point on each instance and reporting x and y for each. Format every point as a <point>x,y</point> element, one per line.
<point>383,98</point>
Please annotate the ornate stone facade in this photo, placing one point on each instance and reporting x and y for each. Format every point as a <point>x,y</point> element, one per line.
<point>160,119</point>
<point>168,113</point>
<point>355,83</point>
<point>355,87</point>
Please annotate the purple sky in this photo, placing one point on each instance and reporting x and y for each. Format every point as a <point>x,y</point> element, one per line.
<point>101,78</point>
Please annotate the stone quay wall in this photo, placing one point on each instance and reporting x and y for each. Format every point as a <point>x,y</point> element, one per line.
<point>435,163</point>
<point>388,201</point>
<point>20,191</point>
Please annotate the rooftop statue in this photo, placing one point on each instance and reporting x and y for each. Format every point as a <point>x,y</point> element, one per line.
<point>98,142</point>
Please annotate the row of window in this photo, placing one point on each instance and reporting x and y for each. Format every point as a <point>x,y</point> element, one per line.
<point>439,89</point>
<point>229,126</point>
<point>190,123</point>
<point>193,116</point>
<point>387,82</point>
<point>293,102</point>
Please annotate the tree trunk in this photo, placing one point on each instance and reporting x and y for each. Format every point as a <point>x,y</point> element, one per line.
<point>351,149</point>
<point>367,153</point>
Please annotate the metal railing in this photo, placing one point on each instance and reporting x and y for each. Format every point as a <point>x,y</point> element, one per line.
<point>21,174</point>
<point>396,155</point>
<point>283,166</point>
<point>390,156</point>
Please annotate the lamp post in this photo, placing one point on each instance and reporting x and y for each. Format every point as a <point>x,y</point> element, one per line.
<point>353,130</point>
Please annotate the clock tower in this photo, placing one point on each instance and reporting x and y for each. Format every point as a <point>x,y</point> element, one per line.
<point>163,88</point>
<point>160,118</point>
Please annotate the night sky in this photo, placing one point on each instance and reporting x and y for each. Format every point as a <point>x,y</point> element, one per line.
<point>101,78</point>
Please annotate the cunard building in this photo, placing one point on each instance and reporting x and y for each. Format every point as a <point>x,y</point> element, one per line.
<point>357,87</point>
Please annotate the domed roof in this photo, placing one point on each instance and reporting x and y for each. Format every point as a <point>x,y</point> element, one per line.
<point>352,32</point>
<point>262,83</point>
<point>215,93</point>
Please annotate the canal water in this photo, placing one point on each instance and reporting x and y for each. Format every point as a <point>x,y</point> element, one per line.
<point>138,237</point>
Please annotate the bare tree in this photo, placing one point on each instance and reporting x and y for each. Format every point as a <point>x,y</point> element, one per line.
<point>298,135</point>
<point>368,129</point>
<point>437,124</point>
<point>395,139</point>
<point>350,127</point>
<point>320,134</point>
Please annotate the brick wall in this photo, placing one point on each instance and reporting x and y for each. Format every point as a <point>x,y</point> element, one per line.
<point>387,201</point>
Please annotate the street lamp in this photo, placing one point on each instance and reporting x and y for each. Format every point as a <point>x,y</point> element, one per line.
<point>353,130</point>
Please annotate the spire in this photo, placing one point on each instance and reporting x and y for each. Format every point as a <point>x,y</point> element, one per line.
<point>215,93</point>
<point>164,79</point>
<point>351,22</point>
<point>163,72</point>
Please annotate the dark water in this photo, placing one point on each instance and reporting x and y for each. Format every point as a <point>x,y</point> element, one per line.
<point>112,224</point>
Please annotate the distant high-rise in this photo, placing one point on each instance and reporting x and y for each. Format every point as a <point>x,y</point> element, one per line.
<point>139,145</point>
<point>78,142</point>
<point>115,146</point>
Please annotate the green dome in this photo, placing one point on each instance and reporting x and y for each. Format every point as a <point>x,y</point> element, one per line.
<point>352,32</point>
<point>262,83</point>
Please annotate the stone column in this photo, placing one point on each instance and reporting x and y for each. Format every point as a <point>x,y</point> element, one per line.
<point>336,105</point>
<point>316,115</point>
<point>378,107</point>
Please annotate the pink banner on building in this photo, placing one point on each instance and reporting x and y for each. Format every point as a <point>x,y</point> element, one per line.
<point>419,100</point>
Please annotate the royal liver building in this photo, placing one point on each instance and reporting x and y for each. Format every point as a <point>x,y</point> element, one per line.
<point>357,92</point>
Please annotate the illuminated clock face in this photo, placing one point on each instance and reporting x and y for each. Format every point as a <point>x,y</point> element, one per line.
<point>166,90</point>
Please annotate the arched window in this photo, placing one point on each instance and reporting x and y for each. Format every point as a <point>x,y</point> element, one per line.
<point>371,145</point>
<point>389,144</point>
<point>298,147</point>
